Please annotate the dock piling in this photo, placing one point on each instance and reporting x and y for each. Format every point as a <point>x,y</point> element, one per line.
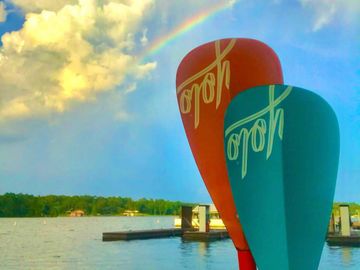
<point>345,220</point>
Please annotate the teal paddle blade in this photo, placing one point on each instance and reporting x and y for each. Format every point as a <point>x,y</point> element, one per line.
<point>282,151</point>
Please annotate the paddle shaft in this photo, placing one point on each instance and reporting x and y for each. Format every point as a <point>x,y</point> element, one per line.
<point>246,260</point>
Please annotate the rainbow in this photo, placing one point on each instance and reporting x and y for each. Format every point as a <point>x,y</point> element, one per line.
<point>195,20</point>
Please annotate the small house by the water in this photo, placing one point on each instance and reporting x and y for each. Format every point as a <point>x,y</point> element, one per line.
<point>77,213</point>
<point>131,213</point>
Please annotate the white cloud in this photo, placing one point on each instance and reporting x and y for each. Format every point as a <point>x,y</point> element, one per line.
<point>40,5</point>
<point>144,40</point>
<point>122,116</point>
<point>232,2</point>
<point>68,55</point>
<point>130,88</point>
<point>331,11</point>
<point>3,12</point>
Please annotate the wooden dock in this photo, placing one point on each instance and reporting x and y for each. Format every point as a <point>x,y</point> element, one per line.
<point>187,232</point>
<point>141,234</point>
<point>337,239</point>
<point>191,235</point>
<point>205,236</point>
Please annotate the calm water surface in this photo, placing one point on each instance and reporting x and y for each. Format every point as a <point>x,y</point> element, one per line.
<point>76,243</point>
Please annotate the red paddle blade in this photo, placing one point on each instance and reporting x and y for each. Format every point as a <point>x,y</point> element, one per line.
<point>206,80</point>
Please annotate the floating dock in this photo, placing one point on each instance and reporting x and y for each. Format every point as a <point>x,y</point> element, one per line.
<point>143,234</point>
<point>190,235</point>
<point>187,232</point>
<point>205,236</point>
<point>344,235</point>
<point>337,239</point>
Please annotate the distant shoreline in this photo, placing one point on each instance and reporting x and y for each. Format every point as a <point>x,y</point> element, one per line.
<point>25,205</point>
<point>95,216</point>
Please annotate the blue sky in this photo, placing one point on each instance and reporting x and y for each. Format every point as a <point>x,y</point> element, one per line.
<point>118,131</point>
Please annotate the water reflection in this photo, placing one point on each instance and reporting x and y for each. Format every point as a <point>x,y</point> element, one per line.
<point>207,255</point>
<point>204,248</point>
<point>63,243</point>
<point>346,255</point>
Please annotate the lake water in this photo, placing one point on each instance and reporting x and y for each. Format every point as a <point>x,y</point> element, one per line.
<point>76,243</point>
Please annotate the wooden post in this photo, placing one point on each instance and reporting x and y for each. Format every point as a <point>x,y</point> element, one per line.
<point>186,217</point>
<point>331,228</point>
<point>204,218</point>
<point>345,220</point>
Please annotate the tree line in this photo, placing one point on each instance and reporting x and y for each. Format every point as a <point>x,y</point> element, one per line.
<point>354,208</point>
<point>24,205</point>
